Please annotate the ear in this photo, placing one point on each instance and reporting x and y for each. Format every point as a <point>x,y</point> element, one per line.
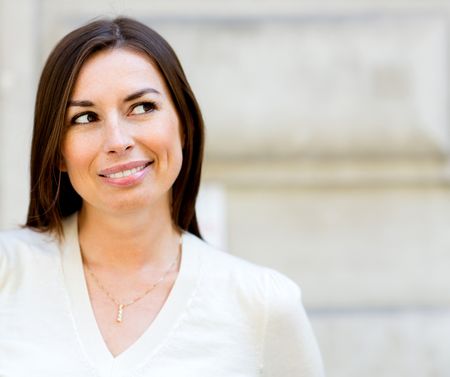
<point>62,165</point>
<point>182,137</point>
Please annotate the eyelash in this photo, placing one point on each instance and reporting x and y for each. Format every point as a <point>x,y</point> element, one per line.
<point>148,103</point>
<point>152,105</point>
<point>74,119</point>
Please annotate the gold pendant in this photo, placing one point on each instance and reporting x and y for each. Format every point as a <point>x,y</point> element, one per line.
<point>120,313</point>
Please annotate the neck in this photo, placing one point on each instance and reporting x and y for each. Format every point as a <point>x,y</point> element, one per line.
<point>127,242</point>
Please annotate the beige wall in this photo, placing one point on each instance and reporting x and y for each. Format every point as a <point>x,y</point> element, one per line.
<point>328,134</point>
<point>18,29</point>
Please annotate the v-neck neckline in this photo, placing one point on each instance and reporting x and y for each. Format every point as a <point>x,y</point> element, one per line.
<point>92,342</point>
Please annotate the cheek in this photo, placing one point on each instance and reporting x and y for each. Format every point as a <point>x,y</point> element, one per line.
<point>166,137</point>
<point>76,152</point>
<point>176,142</point>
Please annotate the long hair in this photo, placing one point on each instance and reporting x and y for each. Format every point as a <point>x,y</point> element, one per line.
<point>52,197</point>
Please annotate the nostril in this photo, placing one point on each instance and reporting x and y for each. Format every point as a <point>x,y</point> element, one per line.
<point>119,148</point>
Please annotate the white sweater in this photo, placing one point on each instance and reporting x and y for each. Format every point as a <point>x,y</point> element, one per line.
<point>223,318</point>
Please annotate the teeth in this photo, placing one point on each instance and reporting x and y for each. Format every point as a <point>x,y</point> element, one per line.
<point>125,173</point>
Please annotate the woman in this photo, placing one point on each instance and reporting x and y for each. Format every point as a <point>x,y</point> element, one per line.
<point>110,276</point>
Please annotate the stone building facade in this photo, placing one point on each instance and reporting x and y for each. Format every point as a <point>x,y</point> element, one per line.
<point>327,153</point>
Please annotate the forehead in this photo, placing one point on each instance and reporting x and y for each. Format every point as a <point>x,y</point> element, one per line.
<point>116,70</point>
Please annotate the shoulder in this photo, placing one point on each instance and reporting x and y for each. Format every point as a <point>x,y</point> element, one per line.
<point>23,246</point>
<point>269,302</point>
<point>23,238</point>
<point>225,269</point>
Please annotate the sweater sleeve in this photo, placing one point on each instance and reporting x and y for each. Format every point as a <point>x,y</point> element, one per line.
<point>289,346</point>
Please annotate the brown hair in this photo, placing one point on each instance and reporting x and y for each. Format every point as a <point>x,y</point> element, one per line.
<point>52,196</point>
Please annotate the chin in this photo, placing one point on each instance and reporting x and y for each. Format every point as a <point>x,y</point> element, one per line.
<point>139,203</point>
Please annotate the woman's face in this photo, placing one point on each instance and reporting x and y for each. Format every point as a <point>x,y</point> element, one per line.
<point>122,148</point>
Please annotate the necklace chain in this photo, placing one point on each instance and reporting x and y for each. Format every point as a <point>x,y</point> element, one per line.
<point>122,306</point>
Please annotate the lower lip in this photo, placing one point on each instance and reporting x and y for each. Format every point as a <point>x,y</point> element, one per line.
<point>129,180</point>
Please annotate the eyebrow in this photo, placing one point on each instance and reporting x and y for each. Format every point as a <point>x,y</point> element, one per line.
<point>140,93</point>
<point>131,97</point>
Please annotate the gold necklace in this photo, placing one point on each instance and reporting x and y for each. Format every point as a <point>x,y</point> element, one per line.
<point>122,306</point>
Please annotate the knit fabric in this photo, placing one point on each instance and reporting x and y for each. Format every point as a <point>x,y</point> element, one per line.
<point>224,317</point>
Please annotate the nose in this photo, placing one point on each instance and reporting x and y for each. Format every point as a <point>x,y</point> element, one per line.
<point>117,136</point>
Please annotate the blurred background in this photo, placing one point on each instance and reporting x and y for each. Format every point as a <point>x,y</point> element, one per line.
<point>327,153</point>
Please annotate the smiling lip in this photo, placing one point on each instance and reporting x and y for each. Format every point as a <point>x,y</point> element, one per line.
<point>126,175</point>
<point>124,170</point>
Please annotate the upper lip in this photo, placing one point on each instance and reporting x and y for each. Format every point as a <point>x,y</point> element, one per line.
<point>123,167</point>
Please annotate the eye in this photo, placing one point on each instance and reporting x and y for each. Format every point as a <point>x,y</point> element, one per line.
<point>84,118</point>
<point>143,108</point>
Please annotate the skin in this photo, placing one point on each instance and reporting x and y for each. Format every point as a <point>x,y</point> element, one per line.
<point>120,113</point>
